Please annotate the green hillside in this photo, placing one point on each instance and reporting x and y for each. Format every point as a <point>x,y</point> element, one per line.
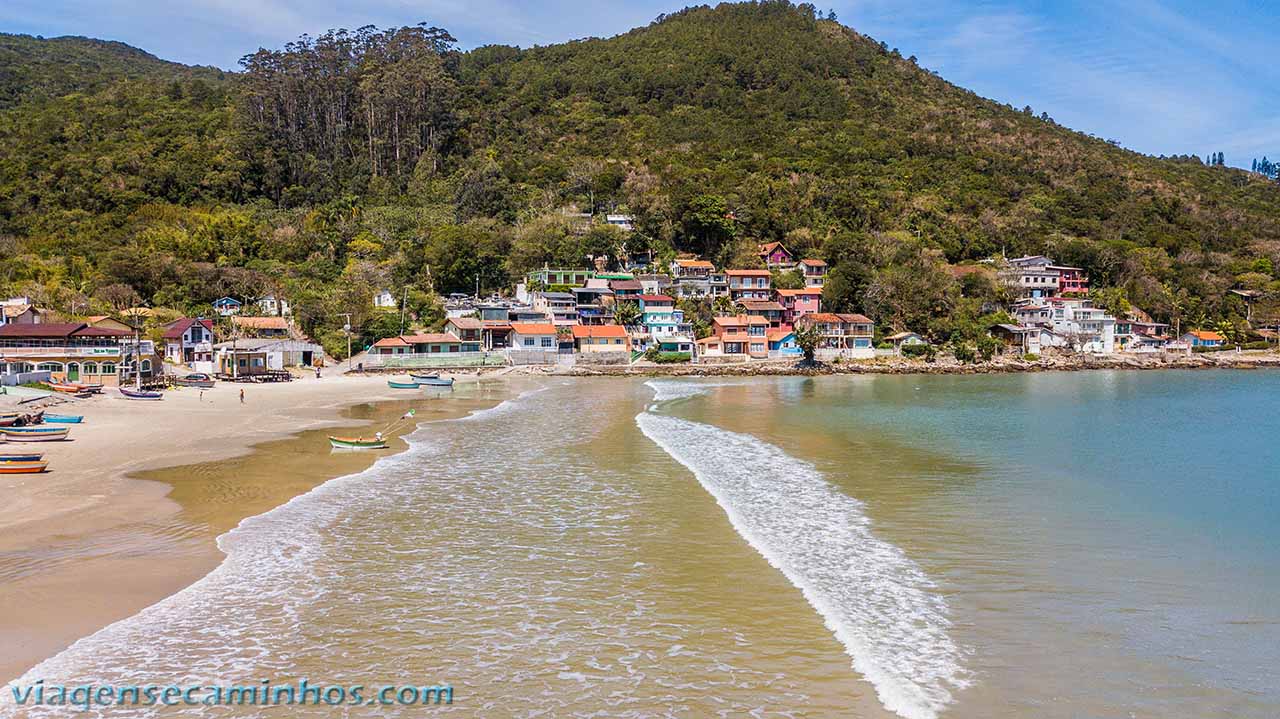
<point>388,158</point>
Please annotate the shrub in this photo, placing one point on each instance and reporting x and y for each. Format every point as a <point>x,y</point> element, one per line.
<point>963,353</point>
<point>917,351</point>
<point>672,357</point>
<point>1031,357</point>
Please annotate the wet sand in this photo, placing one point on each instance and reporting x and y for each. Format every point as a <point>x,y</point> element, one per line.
<point>130,509</point>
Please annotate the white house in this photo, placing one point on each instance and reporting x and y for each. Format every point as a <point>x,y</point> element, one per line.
<point>270,306</point>
<point>385,300</point>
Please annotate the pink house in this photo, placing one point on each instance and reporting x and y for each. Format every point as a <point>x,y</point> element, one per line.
<point>775,255</point>
<point>798,303</point>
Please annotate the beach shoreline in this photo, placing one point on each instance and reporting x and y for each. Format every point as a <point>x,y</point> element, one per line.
<point>132,506</point>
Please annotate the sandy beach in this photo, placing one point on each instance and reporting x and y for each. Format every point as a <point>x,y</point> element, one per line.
<point>109,530</point>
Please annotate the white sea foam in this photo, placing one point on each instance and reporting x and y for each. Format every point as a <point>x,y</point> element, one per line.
<point>877,601</point>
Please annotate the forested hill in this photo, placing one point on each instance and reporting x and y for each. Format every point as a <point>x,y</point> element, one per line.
<point>374,157</point>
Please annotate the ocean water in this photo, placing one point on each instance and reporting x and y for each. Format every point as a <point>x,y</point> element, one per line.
<point>1050,545</point>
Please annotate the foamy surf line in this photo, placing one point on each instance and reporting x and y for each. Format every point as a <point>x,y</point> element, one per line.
<point>874,599</point>
<point>283,541</point>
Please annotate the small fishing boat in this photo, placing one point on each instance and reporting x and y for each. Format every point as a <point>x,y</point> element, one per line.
<point>398,384</point>
<point>64,418</point>
<point>376,442</point>
<point>21,456</point>
<point>420,378</point>
<point>199,380</point>
<point>34,434</point>
<point>8,420</point>
<point>90,388</point>
<point>72,389</point>
<point>140,394</point>
<point>23,467</point>
<point>438,382</point>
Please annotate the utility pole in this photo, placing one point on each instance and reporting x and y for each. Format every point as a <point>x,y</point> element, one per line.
<point>347,328</point>
<point>404,300</point>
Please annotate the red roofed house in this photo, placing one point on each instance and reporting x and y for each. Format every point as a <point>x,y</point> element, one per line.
<point>533,336</point>
<point>261,326</point>
<point>768,309</point>
<point>601,338</point>
<point>814,271</point>
<point>742,335</point>
<point>798,303</point>
<point>430,343</point>
<point>188,340</point>
<point>843,335</point>
<point>775,255</point>
<point>691,269</point>
<point>468,330</point>
<point>748,284</point>
<point>68,351</point>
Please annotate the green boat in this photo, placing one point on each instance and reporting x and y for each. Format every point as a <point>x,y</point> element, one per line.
<point>358,442</point>
<point>394,384</point>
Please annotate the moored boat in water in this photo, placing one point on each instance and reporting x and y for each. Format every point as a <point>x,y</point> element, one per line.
<point>400,384</point>
<point>438,382</point>
<point>422,378</point>
<point>376,442</point>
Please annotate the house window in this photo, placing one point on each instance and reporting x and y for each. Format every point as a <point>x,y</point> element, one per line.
<point>146,366</point>
<point>547,342</point>
<point>91,368</point>
<point>50,367</point>
<point>529,342</point>
<point>108,368</point>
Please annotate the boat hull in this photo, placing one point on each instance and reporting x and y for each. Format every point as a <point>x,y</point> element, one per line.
<point>15,435</point>
<point>423,378</point>
<point>356,443</point>
<point>64,418</point>
<point>145,396</point>
<point>23,467</point>
<point>26,457</point>
<point>438,382</point>
<point>402,385</point>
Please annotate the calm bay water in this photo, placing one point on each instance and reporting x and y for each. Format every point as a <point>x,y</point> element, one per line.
<point>1052,545</point>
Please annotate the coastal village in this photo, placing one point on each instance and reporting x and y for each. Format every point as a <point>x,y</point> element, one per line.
<point>642,313</point>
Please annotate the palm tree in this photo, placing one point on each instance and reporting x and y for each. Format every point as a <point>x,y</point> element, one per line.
<point>627,314</point>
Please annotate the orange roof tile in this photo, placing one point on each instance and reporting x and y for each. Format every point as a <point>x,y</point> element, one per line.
<point>533,328</point>
<point>614,331</point>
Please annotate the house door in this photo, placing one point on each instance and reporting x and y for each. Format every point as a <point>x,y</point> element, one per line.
<point>73,371</point>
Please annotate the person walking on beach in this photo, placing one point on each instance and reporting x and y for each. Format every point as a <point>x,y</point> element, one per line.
<point>242,395</point>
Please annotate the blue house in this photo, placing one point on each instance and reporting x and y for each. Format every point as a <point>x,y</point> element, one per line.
<point>1200,338</point>
<point>227,306</point>
<point>782,343</point>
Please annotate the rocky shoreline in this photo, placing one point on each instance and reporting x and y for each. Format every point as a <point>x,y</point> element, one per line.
<point>899,365</point>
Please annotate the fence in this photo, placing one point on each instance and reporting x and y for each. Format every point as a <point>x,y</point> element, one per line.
<point>435,360</point>
<point>535,356</point>
<point>18,378</point>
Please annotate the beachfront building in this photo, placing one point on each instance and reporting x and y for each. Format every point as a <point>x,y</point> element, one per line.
<point>798,303</point>
<point>1030,276</point>
<point>468,330</point>
<point>1071,280</point>
<point>561,308</point>
<point>1140,334</point>
<point>782,344</point>
<point>775,256</point>
<point>600,338</point>
<point>262,356</point>
<point>842,335</point>
<point>742,336</point>
<point>814,271</point>
<point>260,326</point>
<point>768,309</point>
<point>417,344</point>
<point>1203,338</point>
<point>1021,339</point>
<point>1085,327</point>
<point>680,344</point>
<point>189,340</point>
<point>749,284</point>
<point>534,336</point>
<point>902,339</point>
<point>69,351</point>
<point>227,306</point>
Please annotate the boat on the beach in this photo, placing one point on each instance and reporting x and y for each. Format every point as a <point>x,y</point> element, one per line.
<point>358,442</point>
<point>141,394</point>
<point>198,380</point>
<point>34,434</point>
<point>21,456</point>
<point>90,388</point>
<point>8,420</point>
<point>23,467</point>
<point>438,382</point>
<point>64,418</point>
<point>398,384</point>
<point>74,390</point>
<point>421,378</point>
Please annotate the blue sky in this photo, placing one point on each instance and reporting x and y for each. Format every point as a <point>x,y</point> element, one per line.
<point>1161,76</point>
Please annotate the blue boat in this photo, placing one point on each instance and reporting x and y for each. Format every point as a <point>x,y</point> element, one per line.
<point>27,457</point>
<point>63,418</point>
<point>438,382</point>
<point>395,384</point>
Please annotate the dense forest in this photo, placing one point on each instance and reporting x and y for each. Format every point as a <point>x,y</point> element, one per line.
<point>367,159</point>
